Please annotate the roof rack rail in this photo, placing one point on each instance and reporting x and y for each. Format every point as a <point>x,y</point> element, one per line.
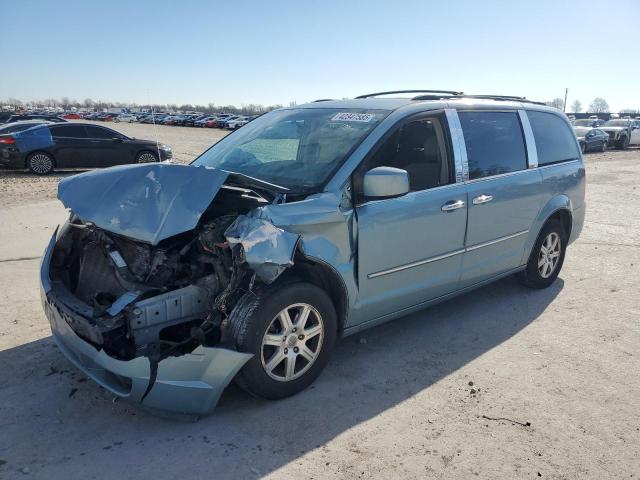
<point>446,92</point>
<point>506,98</point>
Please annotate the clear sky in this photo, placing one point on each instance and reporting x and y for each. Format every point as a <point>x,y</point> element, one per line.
<point>241,52</point>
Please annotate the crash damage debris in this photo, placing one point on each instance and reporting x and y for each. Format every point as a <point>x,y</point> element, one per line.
<point>165,287</point>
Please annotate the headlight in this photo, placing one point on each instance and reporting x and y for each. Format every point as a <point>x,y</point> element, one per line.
<point>165,147</point>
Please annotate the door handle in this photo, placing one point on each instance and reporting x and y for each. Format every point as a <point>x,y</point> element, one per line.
<point>482,199</point>
<point>452,205</point>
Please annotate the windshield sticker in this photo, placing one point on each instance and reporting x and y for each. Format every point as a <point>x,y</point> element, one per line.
<point>352,117</point>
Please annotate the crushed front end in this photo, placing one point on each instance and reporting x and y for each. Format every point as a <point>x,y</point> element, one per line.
<point>147,319</point>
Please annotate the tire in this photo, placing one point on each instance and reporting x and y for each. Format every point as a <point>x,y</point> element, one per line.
<point>257,319</point>
<point>583,148</point>
<point>539,276</point>
<point>40,163</point>
<point>603,148</point>
<point>115,120</point>
<point>146,156</point>
<point>623,143</point>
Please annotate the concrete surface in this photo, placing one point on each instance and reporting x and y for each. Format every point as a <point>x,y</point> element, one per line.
<point>556,372</point>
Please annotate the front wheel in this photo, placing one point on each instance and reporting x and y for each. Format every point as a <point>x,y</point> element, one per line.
<point>146,157</point>
<point>583,147</point>
<point>290,330</point>
<point>40,163</point>
<point>547,257</point>
<point>623,143</point>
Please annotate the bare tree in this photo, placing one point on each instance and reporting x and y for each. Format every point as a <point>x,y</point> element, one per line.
<point>576,106</point>
<point>599,105</point>
<point>556,103</point>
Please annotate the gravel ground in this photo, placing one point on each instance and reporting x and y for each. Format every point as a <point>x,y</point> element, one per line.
<point>501,383</point>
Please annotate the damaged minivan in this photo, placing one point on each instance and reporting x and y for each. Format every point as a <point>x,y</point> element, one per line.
<point>305,225</point>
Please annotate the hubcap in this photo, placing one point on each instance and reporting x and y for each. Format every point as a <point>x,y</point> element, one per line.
<point>549,255</point>
<point>292,342</point>
<point>146,158</point>
<point>41,163</point>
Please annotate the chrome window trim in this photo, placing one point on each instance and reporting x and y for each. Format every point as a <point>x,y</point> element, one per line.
<point>561,162</point>
<point>459,147</point>
<point>529,139</point>
<point>446,255</point>
<point>501,175</point>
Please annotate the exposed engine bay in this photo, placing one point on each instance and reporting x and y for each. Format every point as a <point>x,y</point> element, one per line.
<point>156,300</point>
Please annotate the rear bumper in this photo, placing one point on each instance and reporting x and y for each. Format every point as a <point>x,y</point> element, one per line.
<point>189,384</point>
<point>11,157</point>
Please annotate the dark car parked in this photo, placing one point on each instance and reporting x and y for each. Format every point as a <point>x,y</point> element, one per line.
<point>591,139</point>
<point>35,116</point>
<point>20,126</point>
<point>77,145</point>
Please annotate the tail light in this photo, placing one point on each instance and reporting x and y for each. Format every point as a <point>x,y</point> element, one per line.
<point>7,140</point>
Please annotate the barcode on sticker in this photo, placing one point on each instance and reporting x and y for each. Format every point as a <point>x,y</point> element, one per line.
<point>352,117</point>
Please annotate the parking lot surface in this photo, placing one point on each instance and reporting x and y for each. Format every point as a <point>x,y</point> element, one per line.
<point>504,382</point>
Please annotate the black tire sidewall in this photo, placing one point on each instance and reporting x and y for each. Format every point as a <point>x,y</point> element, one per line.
<point>531,276</point>
<point>248,338</point>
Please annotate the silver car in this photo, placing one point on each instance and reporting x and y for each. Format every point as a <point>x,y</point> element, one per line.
<point>308,224</point>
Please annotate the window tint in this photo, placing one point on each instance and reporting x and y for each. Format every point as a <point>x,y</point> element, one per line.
<point>420,148</point>
<point>68,131</point>
<point>555,142</point>
<point>99,132</point>
<point>494,141</point>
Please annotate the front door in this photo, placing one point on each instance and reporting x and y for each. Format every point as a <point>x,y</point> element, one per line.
<point>105,149</point>
<point>410,248</point>
<point>504,195</point>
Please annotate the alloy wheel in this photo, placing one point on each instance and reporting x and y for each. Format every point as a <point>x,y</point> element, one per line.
<point>292,342</point>
<point>146,158</point>
<point>549,255</point>
<point>41,163</point>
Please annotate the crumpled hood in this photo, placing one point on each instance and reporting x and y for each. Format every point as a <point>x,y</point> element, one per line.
<point>148,202</point>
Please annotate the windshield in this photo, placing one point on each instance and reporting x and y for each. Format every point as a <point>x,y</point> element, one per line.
<point>583,123</point>
<point>294,148</point>
<point>617,123</point>
<point>581,131</point>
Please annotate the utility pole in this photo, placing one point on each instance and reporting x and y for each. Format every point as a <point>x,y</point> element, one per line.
<point>566,92</point>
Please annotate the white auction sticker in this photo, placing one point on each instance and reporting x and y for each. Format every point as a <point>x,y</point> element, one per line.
<point>352,117</point>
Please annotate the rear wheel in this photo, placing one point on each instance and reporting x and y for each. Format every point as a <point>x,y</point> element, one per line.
<point>603,148</point>
<point>290,330</point>
<point>40,163</point>
<point>146,157</point>
<point>547,257</point>
<point>583,147</point>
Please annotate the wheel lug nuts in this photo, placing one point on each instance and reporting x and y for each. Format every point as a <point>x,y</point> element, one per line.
<point>294,329</point>
<point>300,337</point>
<point>295,349</point>
<point>286,350</point>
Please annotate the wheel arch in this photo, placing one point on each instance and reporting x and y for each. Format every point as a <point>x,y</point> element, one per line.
<point>144,150</point>
<point>324,276</point>
<point>559,208</point>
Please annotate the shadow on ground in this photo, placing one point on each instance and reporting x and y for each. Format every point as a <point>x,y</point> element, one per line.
<point>55,421</point>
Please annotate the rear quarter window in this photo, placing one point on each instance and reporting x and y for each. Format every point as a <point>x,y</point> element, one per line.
<point>555,141</point>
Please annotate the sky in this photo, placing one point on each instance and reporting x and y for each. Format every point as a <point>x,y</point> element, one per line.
<point>274,52</point>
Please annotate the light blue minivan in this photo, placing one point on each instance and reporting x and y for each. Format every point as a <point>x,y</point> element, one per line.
<point>305,225</point>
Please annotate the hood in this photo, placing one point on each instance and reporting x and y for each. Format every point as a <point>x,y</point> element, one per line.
<point>612,129</point>
<point>148,202</point>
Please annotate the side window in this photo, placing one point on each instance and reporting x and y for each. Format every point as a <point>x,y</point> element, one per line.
<point>101,133</point>
<point>421,148</point>
<point>68,131</point>
<point>494,141</point>
<point>555,142</point>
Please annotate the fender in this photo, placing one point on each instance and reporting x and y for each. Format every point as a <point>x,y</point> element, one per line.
<point>556,203</point>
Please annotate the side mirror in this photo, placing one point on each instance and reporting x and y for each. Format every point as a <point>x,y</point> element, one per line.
<point>385,182</point>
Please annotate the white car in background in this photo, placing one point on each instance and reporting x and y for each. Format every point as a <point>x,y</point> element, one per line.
<point>236,123</point>
<point>125,117</point>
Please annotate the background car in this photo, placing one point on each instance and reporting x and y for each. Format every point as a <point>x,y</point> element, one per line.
<point>35,116</point>
<point>43,148</point>
<point>588,122</point>
<point>20,126</point>
<point>71,116</point>
<point>237,123</point>
<point>125,117</point>
<point>591,139</point>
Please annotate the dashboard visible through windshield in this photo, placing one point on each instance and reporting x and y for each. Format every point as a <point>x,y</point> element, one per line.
<point>294,148</point>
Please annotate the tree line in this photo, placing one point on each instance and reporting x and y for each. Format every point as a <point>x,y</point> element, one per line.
<point>598,105</point>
